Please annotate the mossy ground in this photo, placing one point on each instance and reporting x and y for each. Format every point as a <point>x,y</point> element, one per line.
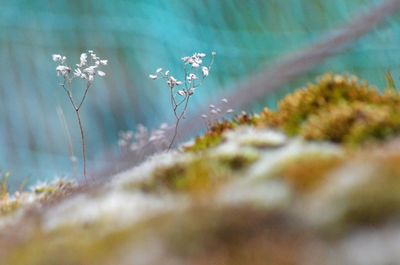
<point>340,109</point>
<point>213,137</point>
<point>7,206</point>
<point>198,236</point>
<point>337,111</point>
<point>336,108</point>
<point>305,174</point>
<point>202,174</point>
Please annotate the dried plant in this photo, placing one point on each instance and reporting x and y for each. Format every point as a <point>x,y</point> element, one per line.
<point>136,142</point>
<point>216,113</point>
<point>194,75</point>
<point>86,70</point>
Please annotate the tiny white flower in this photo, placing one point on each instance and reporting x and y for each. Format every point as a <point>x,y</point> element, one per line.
<point>91,78</point>
<point>104,62</point>
<point>224,100</point>
<point>63,70</point>
<point>191,77</point>
<point>195,65</point>
<point>213,53</point>
<point>167,72</point>
<point>191,91</point>
<point>212,106</point>
<point>205,71</point>
<point>181,93</point>
<point>83,59</point>
<point>94,56</point>
<point>204,116</point>
<point>213,111</point>
<point>78,72</point>
<point>201,55</point>
<point>56,57</point>
<point>90,51</point>
<point>101,73</point>
<point>158,70</point>
<point>154,77</point>
<point>178,83</point>
<point>229,111</point>
<point>90,70</point>
<point>190,60</point>
<point>185,59</point>
<point>172,82</point>
<point>218,110</point>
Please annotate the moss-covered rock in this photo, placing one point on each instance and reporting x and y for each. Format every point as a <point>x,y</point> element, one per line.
<point>337,108</point>
<point>307,173</point>
<point>243,193</point>
<point>213,136</point>
<point>201,174</point>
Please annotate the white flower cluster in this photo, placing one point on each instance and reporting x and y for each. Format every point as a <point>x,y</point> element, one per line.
<point>171,81</point>
<point>192,64</point>
<point>194,75</point>
<point>87,68</point>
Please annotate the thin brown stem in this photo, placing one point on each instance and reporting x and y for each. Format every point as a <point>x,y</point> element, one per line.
<point>78,116</point>
<point>84,96</point>
<point>173,103</point>
<point>177,123</point>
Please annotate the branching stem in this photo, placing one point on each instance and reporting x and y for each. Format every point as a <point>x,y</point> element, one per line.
<point>78,116</point>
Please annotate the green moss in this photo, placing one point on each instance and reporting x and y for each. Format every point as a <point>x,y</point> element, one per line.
<point>352,123</point>
<point>339,109</point>
<point>238,161</point>
<point>4,185</point>
<point>7,206</point>
<point>378,198</point>
<point>307,173</point>
<point>202,174</point>
<point>235,235</point>
<point>61,246</point>
<point>238,235</point>
<point>213,137</point>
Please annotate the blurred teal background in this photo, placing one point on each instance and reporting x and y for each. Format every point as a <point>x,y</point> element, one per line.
<point>139,36</point>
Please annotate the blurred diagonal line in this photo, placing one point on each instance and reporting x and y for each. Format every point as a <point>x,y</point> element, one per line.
<point>279,73</point>
<point>289,67</point>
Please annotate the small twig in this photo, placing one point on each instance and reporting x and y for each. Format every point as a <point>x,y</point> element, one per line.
<point>177,123</point>
<point>82,141</point>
